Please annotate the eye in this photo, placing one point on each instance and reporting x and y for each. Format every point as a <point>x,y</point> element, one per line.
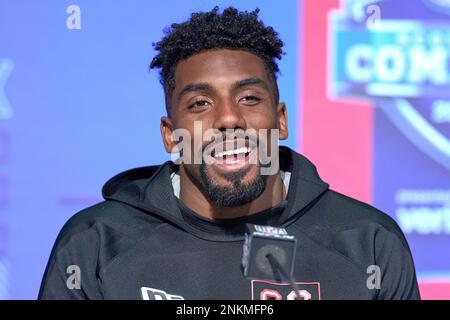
<point>250,100</point>
<point>200,104</point>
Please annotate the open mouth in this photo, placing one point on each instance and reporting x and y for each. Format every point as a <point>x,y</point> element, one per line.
<point>229,157</point>
<point>232,156</point>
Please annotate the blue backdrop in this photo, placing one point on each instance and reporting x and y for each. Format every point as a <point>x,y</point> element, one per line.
<point>79,105</point>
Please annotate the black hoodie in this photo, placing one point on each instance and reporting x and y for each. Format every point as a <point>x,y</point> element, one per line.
<point>138,244</point>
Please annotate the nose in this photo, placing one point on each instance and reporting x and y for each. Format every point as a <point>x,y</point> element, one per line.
<point>228,116</point>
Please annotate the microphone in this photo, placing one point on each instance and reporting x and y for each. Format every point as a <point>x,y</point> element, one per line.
<point>269,254</point>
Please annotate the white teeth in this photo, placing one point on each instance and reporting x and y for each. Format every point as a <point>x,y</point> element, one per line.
<point>232,152</point>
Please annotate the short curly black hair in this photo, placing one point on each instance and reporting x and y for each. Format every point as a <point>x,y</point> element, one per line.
<point>230,29</point>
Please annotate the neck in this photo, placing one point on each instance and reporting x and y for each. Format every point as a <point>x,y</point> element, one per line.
<point>193,197</point>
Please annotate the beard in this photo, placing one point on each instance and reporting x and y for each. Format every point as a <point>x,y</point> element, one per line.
<point>237,194</point>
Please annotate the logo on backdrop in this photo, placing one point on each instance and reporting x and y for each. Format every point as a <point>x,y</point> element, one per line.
<point>403,64</point>
<point>6,67</point>
<point>6,113</point>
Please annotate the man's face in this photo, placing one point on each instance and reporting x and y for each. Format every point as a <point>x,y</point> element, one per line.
<point>226,90</point>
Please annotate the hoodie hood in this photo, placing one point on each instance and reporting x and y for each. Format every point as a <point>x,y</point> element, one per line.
<point>150,189</point>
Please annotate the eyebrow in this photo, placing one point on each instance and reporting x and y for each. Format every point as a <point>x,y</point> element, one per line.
<point>206,87</point>
<point>249,81</point>
<point>193,87</point>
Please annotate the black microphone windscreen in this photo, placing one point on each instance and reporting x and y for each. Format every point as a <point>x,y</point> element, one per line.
<point>268,253</point>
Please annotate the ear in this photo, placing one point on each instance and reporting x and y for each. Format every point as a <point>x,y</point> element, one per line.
<point>282,121</point>
<point>166,128</point>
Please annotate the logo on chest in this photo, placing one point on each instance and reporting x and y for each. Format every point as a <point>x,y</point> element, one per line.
<point>267,290</point>
<point>155,294</point>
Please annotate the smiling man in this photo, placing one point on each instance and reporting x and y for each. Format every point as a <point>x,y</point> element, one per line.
<point>176,231</point>
<point>229,91</point>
